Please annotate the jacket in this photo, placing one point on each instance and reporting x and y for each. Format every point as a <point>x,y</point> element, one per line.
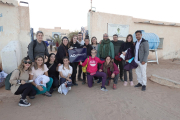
<point>61,53</point>
<point>89,48</point>
<point>92,66</point>
<point>117,46</point>
<point>143,51</point>
<point>116,70</point>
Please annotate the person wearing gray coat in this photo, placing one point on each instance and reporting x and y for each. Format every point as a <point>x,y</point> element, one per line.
<point>141,53</point>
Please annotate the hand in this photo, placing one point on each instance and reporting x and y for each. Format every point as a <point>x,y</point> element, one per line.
<point>127,60</point>
<point>100,70</point>
<point>69,80</point>
<point>41,82</point>
<point>112,60</point>
<point>113,75</point>
<point>40,88</point>
<point>59,64</point>
<point>84,47</point>
<point>143,63</point>
<point>70,48</point>
<point>23,82</point>
<point>80,63</point>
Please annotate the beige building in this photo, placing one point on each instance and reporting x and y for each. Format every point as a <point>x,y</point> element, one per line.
<point>57,30</point>
<point>14,24</point>
<point>167,32</point>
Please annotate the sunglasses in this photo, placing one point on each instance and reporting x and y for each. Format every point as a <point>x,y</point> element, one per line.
<point>27,62</point>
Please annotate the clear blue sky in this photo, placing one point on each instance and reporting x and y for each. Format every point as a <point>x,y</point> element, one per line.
<point>72,14</point>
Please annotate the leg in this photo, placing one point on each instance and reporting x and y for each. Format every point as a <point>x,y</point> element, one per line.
<point>143,74</point>
<point>130,75</point>
<point>40,92</point>
<point>107,81</point>
<point>55,82</point>
<point>121,68</point>
<point>74,66</point>
<point>84,78</point>
<point>62,80</point>
<point>89,80</point>
<point>79,72</point>
<point>103,75</point>
<point>49,84</point>
<point>116,78</point>
<point>138,73</point>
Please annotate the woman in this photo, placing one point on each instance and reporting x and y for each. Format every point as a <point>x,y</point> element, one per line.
<point>111,70</point>
<point>20,84</point>
<point>128,44</point>
<point>62,50</point>
<point>94,43</point>
<point>73,45</point>
<point>92,69</point>
<point>39,69</point>
<point>65,72</point>
<point>53,71</point>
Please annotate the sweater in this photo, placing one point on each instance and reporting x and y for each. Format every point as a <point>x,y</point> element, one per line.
<point>116,70</point>
<point>117,46</point>
<point>89,48</point>
<point>61,53</point>
<point>38,50</point>
<point>92,66</point>
<point>15,77</point>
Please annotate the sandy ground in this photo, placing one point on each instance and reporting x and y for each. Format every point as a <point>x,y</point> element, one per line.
<point>83,103</point>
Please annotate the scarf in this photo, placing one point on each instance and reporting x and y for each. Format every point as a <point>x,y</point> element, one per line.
<point>110,65</point>
<point>106,44</point>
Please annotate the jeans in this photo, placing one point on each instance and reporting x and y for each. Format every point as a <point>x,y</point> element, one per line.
<point>63,80</point>
<point>26,90</point>
<point>115,79</point>
<point>47,88</point>
<point>80,71</point>
<point>120,64</point>
<point>125,73</point>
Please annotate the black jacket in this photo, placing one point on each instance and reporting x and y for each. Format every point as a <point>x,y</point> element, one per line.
<point>76,45</point>
<point>89,48</point>
<point>117,46</point>
<point>125,46</point>
<point>61,53</point>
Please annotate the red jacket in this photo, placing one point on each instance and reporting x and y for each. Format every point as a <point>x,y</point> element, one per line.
<point>116,70</point>
<point>92,64</point>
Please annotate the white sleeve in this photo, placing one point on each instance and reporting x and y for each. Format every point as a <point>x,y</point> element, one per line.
<point>70,72</point>
<point>60,68</point>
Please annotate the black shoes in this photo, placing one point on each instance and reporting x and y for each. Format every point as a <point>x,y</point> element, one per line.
<point>75,84</point>
<point>24,103</point>
<point>143,88</point>
<point>138,85</point>
<point>80,79</point>
<point>31,97</point>
<point>83,82</point>
<point>121,79</point>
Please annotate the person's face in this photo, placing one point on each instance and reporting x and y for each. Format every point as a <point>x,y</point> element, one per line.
<point>39,36</point>
<point>105,37</point>
<point>86,41</point>
<point>52,58</point>
<point>27,64</point>
<point>66,61</point>
<point>115,38</point>
<point>94,41</point>
<point>93,53</point>
<point>108,59</point>
<point>74,39</point>
<point>39,61</point>
<point>65,42</point>
<point>129,39</point>
<point>138,36</point>
<point>79,36</point>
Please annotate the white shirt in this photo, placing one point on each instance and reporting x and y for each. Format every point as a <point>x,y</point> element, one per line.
<point>82,42</point>
<point>137,49</point>
<point>65,71</point>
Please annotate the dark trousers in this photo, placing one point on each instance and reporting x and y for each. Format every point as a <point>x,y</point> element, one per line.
<point>120,64</point>
<point>73,76</point>
<point>115,79</point>
<point>80,71</point>
<point>125,73</point>
<point>63,80</point>
<point>25,90</point>
<point>51,48</point>
<point>55,82</point>
<point>84,77</point>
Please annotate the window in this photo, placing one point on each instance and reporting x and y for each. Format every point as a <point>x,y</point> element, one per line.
<point>160,43</point>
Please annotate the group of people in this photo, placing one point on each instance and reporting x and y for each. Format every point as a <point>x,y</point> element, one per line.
<point>101,64</point>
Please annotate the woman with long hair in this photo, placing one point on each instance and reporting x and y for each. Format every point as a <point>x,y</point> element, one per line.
<point>20,83</point>
<point>39,69</point>
<point>128,44</point>
<point>62,50</point>
<point>94,43</point>
<point>53,71</point>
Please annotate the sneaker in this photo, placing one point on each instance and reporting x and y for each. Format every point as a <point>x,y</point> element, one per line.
<point>143,88</point>
<point>24,99</point>
<point>47,94</point>
<point>104,89</point>
<point>24,103</point>
<point>69,88</point>
<point>131,83</point>
<point>125,83</point>
<point>121,79</point>
<point>114,86</point>
<point>31,97</point>
<point>138,85</point>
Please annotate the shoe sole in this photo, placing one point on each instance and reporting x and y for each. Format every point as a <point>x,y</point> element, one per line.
<point>22,105</point>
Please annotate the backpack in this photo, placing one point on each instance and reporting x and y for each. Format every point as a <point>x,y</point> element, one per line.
<point>34,45</point>
<point>7,83</point>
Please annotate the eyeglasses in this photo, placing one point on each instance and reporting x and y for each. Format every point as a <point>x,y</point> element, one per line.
<point>27,62</point>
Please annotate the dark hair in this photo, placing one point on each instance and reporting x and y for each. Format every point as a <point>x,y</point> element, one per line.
<point>50,56</point>
<point>107,57</point>
<point>63,39</point>
<point>115,35</point>
<point>71,43</point>
<point>92,40</point>
<point>87,37</point>
<point>138,31</point>
<point>39,32</point>
<point>79,32</point>
<point>129,36</point>
<point>63,62</point>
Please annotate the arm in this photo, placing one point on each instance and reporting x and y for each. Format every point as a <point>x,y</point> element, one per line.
<point>60,54</point>
<point>85,62</point>
<point>112,49</point>
<point>15,77</point>
<point>146,51</point>
<point>101,62</point>
<point>60,73</point>
<point>101,67</point>
<point>31,51</point>
<point>46,73</point>
<point>47,53</point>
<point>116,70</point>
<point>33,83</point>
<point>121,48</point>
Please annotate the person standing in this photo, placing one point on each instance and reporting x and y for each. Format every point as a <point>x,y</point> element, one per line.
<point>81,42</point>
<point>141,52</point>
<point>117,45</point>
<point>37,47</point>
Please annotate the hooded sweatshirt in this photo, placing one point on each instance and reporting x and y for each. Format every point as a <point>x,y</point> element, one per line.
<point>92,64</point>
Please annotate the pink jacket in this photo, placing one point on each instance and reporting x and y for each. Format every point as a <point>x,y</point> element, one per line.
<point>92,64</point>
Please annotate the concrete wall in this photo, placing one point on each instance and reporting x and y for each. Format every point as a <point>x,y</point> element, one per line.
<point>97,25</point>
<point>16,25</point>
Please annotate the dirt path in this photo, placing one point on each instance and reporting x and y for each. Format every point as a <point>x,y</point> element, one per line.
<point>83,103</point>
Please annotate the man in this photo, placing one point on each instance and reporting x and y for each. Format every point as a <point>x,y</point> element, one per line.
<point>117,45</point>
<point>141,53</point>
<point>37,47</point>
<point>80,67</point>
